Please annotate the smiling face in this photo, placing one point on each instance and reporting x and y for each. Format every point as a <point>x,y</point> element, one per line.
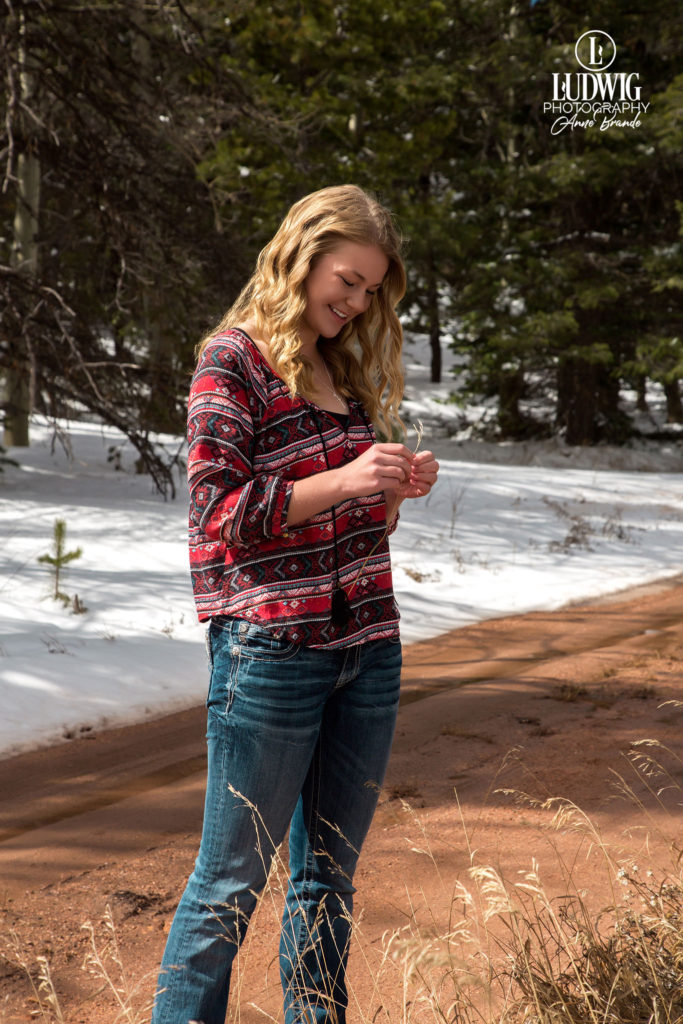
<point>339,287</point>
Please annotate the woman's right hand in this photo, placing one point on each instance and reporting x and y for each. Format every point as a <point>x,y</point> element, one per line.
<point>382,467</point>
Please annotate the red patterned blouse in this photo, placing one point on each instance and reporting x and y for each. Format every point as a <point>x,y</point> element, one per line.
<point>248,441</point>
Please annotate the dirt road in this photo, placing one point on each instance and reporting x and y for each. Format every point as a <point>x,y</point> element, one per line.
<point>547,703</point>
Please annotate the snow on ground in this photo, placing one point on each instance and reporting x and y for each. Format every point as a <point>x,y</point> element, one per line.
<point>509,528</point>
<point>452,429</point>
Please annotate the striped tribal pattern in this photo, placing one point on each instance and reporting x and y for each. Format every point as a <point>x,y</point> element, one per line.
<point>248,441</point>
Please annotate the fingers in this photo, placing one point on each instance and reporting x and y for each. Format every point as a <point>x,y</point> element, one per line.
<point>399,469</point>
<point>395,460</point>
<point>425,466</point>
<point>423,475</point>
<point>383,466</point>
<point>394,448</point>
<point>420,457</point>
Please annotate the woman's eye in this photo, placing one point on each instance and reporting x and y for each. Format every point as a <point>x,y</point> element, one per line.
<point>350,284</point>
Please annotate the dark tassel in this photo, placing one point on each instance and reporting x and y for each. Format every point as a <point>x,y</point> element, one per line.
<point>341,609</point>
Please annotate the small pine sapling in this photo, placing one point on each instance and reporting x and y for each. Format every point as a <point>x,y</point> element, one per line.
<point>60,559</point>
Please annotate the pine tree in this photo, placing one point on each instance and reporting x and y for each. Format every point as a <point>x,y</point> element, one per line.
<point>575,258</point>
<point>125,254</point>
<point>60,559</point>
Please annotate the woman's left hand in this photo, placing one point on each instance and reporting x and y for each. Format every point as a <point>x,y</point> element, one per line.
<point>423,473</point>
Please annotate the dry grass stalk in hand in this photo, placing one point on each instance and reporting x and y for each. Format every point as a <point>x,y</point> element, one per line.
<point>419,431</point>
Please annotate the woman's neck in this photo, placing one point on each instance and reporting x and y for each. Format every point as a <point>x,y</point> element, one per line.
<point>323,392</point>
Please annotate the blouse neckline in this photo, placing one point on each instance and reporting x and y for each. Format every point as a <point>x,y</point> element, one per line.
<point>262,359</point>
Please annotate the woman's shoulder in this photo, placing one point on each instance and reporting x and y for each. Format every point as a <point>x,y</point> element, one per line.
<point>230,343</point>
<point>231,351</point>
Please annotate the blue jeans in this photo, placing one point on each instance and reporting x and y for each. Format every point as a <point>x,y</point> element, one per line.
<point>297,737</point>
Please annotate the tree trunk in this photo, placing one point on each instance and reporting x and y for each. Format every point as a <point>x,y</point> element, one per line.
<point>510,390</point>
<point>160,413</point>
<point>641,391</point>
<point>674,407</point>
<point>577,407</point>
<point>434,323</point>
<point>24,257</point>
<point>615,425</point>
<point>432,286</point>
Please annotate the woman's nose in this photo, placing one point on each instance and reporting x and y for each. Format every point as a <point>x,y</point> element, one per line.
<point>359,301</point>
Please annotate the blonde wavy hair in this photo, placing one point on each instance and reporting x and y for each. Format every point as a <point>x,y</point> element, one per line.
<point>365,357</point>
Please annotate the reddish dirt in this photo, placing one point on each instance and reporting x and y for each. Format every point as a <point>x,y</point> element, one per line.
<point>548,704</point>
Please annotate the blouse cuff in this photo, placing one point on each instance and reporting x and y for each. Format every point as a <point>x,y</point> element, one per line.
<point>253,514</point>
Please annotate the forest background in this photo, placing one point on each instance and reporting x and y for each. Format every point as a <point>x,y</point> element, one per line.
<point>148,150</point>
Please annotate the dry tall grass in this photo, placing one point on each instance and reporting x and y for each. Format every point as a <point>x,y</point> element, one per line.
<point>510,951</point>
<point>504,950</point>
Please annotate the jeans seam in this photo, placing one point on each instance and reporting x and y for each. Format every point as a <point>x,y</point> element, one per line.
<point>235,661</point>
<point>312,830</point>
<point>232,680</point>
<point>175,971</point>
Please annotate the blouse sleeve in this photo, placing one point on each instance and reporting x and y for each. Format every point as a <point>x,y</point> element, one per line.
<point>227,501</point>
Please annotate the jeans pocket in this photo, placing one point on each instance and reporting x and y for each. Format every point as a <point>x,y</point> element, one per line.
<point>260,644</point>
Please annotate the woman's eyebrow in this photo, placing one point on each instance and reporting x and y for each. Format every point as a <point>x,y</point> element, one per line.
<point>358,274</point>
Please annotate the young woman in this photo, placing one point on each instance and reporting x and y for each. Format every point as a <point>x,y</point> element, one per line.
<point>291,501</point>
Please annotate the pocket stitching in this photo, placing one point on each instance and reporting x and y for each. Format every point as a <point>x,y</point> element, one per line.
<point>265,654</point>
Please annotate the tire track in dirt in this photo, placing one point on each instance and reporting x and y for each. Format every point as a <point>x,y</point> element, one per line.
<point>51,785</point>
